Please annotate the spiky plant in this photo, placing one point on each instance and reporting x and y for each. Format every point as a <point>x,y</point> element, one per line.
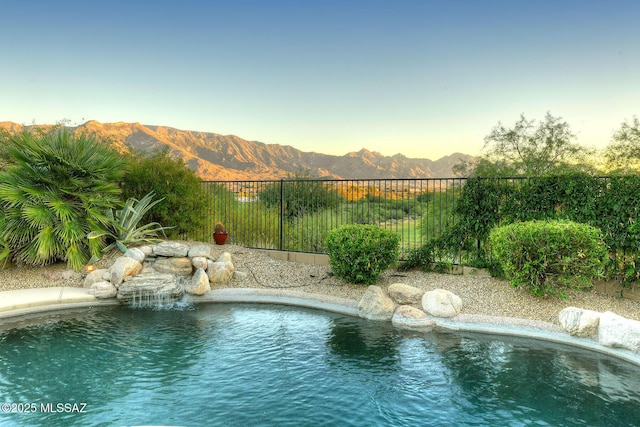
<point>60,187</point>
<point>124,230</point>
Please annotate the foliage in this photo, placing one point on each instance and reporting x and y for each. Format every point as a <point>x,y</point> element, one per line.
<point>571,196</point>
<point>123,228</point>
<point>359,253</point>
<point>623,154</point>
<point>300,195</point>
<point>59,190</point>
<point>549,256</point>
<point>170,179</point>
<point>528,149</point>
<point>432,256</point>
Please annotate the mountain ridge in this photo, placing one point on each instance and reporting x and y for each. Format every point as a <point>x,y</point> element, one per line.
<point>228,157</point>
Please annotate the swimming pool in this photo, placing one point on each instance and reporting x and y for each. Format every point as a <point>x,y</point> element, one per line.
<point>241,364</point>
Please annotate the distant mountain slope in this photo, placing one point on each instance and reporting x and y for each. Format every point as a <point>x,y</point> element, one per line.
<point>228,157</point>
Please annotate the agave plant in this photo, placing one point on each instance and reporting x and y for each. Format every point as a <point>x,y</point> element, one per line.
<point>124,230</point>
<point>58,188</point>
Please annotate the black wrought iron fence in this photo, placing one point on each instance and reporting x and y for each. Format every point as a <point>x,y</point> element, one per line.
<point>297,214</point>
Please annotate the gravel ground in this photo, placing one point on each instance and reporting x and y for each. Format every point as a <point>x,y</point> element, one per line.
<point>481,296</point>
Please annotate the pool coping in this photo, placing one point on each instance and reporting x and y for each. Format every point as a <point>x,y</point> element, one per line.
<point>26,302</point>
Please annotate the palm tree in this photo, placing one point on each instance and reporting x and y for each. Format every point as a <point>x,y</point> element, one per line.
<point>59,188</point>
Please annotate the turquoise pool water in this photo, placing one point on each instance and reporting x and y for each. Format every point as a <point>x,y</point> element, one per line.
<point>255,365</point>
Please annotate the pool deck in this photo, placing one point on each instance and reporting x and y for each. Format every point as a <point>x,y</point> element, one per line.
<point>27,302</point>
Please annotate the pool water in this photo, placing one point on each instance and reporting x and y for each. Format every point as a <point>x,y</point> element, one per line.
<point>257,365</point>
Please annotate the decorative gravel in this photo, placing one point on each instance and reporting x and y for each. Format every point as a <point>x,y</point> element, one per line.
<point>481,296</point>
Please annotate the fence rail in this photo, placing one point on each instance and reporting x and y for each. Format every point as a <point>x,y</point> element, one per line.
<point>296,214</point>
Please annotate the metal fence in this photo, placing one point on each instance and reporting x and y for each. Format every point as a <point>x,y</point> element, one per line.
<point>296,214</point>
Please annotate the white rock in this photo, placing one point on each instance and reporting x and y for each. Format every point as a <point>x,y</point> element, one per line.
<point>180,266</point>
<point>95,276</point>
<point>412,319</point>
<point>199,262</point>
<point>171,249</point>
<point>123,267</point>
<point>135,253</point>
<point>404,294</point>
<point>219,271</point>
<point>199,284</point>
<point>441,303</point>
<point>225,257</point>
<point>618,331</point>
<point>579,322</point>
<point>104,290</point>
<point>200,251</point>
<point>375,305</point>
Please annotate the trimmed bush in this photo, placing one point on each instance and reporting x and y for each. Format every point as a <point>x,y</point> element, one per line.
<point>359,253</point>
<point>549,256</point>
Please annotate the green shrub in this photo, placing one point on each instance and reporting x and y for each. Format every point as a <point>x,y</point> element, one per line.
<point>359,253</point>
<point>124,230</point>
<point>549,256</point>
<point>58,189</point>
<point>184,204</point>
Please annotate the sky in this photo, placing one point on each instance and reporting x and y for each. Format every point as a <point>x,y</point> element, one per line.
<point>425,78</point>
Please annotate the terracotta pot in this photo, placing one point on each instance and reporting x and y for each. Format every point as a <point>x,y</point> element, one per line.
<point>220,238</point>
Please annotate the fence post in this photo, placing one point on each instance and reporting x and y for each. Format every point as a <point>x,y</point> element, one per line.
<point>281,237</point>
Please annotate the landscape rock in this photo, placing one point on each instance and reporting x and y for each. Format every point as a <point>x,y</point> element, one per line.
<point>579,322</point>
<point>171,249</point>
<point>146,250</point>
<point>180,266</point>
<point>95,276</point>
<point>375,305</point>
<point>225,257</point>
<point>404,294</point>
<point>150,289</point>
<point>200,251</point>
<point>199,262</point>
<point>135,253</point>
<point>123,267</point>
<point>199,284</point>
<point>441,303</point>
<point>240,275</point>
<point>220,271</point>
<point>412,319</point>
<point>104,290</point>
<point>618,331</point>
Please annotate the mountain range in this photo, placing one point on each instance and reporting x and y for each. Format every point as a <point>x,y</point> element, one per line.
<point>228,157</point>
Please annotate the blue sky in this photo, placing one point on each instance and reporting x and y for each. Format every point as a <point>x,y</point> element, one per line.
<point>423,78</point>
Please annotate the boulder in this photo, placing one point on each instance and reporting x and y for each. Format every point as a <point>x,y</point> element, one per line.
<point>199,262</point>
<point>412,319</point>
<point>618,331</point>
<point>135,253</point>
<point>94,277</point>
<point>225,257</point>
<point>200,251</point>
<point>104,290</point>
<point>240,275</point>
<point>199,284</point>
<point>179,266</point>
<point>123,267</point>
<point>441,303</point>
<point>150,289</point>
<point>171,249</point>
<point>579,322</point>
<point>375,305</point>
<point>404,294</point>
<point>220,271</point>
<point>146,250</point>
